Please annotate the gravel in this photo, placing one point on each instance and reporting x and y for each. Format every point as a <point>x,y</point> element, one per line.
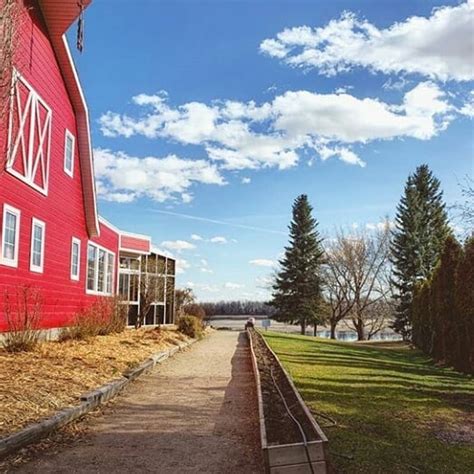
<point>196,413</point>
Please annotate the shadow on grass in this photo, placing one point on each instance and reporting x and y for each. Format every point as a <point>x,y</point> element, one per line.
<point>381,374</point>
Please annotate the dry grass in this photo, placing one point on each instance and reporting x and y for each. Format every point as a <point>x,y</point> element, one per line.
<point>33,385</point>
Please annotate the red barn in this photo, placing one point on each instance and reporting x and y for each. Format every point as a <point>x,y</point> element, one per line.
<point>51,237</point>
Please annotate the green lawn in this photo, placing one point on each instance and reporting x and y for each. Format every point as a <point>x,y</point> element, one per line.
<point>395,411</point>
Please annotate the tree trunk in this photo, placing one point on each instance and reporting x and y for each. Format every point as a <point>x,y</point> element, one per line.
<point>333,330</point>
<point>360,331</point>
<point>315,330</point>
<point>303,327</point>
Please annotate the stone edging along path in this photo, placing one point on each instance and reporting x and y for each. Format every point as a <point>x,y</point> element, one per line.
<point>89,401</point>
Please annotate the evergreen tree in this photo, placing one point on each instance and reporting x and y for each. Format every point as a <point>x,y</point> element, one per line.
<point>445,315</point>
<point>422,317</point>
<point>421,227</point>
<point>297,287</point>
<point>464,357</point>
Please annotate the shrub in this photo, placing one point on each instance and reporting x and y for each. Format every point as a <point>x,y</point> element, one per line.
<point>195,309</point>
<point>22,308</point>
<point>190,326</point>
<point>104,316</point>
<point>115,313</point>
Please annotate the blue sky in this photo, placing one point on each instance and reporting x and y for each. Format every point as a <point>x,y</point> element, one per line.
<point>209,117</point>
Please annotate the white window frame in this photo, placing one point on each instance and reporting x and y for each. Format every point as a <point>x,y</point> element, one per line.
<point>68,134</point>
<point>96,270</point>
<point>37,223</point>
<point>76,241</point>
<point>7,261</point>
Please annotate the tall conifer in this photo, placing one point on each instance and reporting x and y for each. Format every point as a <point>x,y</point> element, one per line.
<point>421,227</point>
<point>297,287</point>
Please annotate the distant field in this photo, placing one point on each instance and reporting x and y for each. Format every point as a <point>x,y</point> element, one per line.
<point>395,411</point>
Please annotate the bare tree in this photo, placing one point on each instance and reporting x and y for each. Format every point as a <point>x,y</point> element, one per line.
<point>336,291</point>
<point>9,26</point>
<point>358,283</point>
<point>466,208</point>
<point>183,297</point>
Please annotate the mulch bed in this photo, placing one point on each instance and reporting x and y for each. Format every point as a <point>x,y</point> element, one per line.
<point>280,428</point>
<point>34,385</point>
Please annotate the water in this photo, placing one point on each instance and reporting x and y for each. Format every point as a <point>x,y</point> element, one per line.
<point>343,334</point>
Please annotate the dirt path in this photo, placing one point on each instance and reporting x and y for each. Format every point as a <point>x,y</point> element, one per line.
<point>196,413</point>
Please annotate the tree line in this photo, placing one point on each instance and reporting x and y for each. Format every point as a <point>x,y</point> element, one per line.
<point>240,307</point>
<point>411,274</point>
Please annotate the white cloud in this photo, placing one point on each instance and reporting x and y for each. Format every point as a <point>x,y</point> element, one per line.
<point>177,245</point>
<point>124,178</point>
<point>186,198</point>
<point>343,89</point>
<point>218,240</point>
<point>205,266</point>
<point>262,262</point>
<point>233,286</point>
<point>331,116</point>
<point>182,265</point>
<point>265,281</point>
<point>344,154</point>
<point>274,134</point>
<point>246,180</point>
<point>380,225</point>
<point>203,287</point>
<point>196,237</point>
<point>467,108</point>
<point>439,46</point>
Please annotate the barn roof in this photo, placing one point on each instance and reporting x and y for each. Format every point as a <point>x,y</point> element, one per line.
<point>58,16</point>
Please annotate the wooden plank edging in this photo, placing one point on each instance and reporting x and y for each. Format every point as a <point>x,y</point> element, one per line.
<point>90,400</point>
<point>298,395</point>
<point>288,458</point>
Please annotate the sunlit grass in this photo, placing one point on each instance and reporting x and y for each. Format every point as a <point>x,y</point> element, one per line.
<point>395,411</point>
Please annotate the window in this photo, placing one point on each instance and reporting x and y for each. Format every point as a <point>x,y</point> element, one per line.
<point>75,258</point>
<point>100,269</point>
<point>37,246</point>
<point>91,267</point>
<point>10,236</point>
<point>110,273</point>
<point>69,153</point>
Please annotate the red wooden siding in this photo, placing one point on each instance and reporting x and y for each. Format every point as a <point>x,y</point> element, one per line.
<point>62,209</point>
<point>135,243</point>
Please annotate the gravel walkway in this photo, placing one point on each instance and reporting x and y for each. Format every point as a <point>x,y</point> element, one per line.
<point>196,413</point>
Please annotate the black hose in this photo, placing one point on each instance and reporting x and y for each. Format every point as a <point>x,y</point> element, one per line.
<point>297,423</point>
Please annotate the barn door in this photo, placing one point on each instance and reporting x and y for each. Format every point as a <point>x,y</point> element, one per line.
<point>29,136</point>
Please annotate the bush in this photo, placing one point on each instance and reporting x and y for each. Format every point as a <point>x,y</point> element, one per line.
<point>190,326</point>
<point>104,316</point>
<point>195,309</point>
<point>115,312</point>
<point>22,308</point>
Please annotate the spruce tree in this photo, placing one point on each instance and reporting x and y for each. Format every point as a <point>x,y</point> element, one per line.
<point>421,227</point>
<point>297,287</point>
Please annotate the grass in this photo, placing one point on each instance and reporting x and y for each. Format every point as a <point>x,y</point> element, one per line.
<point>396,412</point>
